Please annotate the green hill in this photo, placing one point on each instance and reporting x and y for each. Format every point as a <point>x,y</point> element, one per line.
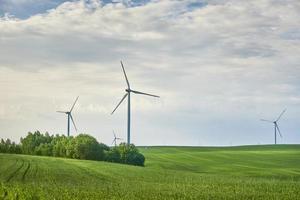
<point>246,172</point>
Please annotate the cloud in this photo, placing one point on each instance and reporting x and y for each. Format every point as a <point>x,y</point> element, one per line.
<point>218,65</point>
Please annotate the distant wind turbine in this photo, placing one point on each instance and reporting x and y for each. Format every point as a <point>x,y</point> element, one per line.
<point>276,127</point>
<point>69,114</point>
<point>115,139</point>
<point>128,93</point>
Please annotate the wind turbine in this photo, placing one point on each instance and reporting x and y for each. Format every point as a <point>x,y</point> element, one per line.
<point>127,94</point>
<point>69,114</point>
<point>276,127</point>
<point>115,139</point>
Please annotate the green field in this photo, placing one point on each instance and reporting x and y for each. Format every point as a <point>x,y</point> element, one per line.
<point>248,172</point>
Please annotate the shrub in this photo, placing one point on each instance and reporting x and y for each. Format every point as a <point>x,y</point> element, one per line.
<point>135,158</point>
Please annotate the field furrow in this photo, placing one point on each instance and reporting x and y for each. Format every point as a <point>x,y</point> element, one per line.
<point>26,170</point>
<point>14,173</point>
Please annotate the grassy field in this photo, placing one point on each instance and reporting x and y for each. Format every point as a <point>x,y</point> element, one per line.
<point>248,172</point>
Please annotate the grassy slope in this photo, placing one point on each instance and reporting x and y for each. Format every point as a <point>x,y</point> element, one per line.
<point>248,172</point>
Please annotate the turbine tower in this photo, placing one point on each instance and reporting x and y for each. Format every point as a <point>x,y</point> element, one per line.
<point>69,114</point>
<point>276,127</point>
<point>127,94</point>
<point>115,139</point>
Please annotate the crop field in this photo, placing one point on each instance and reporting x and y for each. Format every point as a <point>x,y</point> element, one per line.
<point>246,172</point>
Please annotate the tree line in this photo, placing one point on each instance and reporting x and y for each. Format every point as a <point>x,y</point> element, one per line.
<point>83,147</point>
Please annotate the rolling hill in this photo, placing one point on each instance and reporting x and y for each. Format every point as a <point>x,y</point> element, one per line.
<point>245,172</point>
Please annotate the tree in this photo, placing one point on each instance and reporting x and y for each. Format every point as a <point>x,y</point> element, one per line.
<point>9,147</point>
<point>130,155</point>
<point>59,144</point>
<point>87,147</point>
<point>113,155</point>
<point>33,141</point>
<point>2,146</point>
<point>82,146</point>
<point>44,150</point>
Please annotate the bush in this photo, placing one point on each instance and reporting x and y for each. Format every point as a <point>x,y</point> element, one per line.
<point>135,158</point>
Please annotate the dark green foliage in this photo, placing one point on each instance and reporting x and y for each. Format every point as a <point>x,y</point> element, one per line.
<point>113,155</point>
<point>135,158</point>
<point>86,147</point>
<point>83,147</point>
<point>33,140</point>
<point>104,147</point>
<point>127,154</point>
<point>9,147</point>
<point>60,144</point>
<point>43,150</point>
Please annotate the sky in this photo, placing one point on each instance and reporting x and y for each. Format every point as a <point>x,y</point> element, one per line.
<point>218,65</point>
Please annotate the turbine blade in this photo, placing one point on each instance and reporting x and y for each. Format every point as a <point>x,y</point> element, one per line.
<point>119,103</point>
<point>137,92</point>
<point>125,75</point>
<point>278,130</point>
<point>264,120</point>
<point>281,115</point>
<point>61,112</point>
<point>73,122</point>
<point>74,104</point>
<point>113,141</point>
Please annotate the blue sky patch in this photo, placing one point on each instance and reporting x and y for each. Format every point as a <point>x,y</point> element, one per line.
<point>25,9</point>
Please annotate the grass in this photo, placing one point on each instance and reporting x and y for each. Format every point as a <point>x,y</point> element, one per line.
<point>246,172</point>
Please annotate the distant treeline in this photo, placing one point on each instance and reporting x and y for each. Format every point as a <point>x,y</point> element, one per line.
<point>83,147</point>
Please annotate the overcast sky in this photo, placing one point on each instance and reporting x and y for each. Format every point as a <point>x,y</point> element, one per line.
<point>218,65</point>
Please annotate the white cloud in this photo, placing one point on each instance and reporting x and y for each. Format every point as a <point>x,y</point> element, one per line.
<point>227,61</point>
